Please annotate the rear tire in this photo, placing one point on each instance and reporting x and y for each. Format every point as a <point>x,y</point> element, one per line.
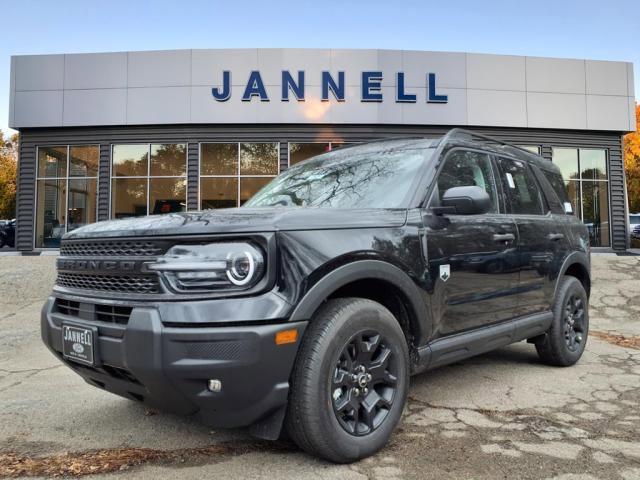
<point>565,341</point>
<point>350,381</point>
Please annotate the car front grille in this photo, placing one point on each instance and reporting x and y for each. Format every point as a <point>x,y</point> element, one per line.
<point>94,312</point>
<point>132,248</point>
<point>137,284</point>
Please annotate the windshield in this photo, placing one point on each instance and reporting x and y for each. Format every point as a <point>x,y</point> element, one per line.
<point>370,176</point>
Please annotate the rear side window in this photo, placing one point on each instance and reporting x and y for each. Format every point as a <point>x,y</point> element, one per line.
<point>555,179</point>
<point>523,193</point>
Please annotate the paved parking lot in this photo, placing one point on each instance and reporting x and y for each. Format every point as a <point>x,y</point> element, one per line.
<point>501,415</point>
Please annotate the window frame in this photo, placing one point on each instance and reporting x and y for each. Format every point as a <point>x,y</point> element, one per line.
<point>66,179</point>
<point>426,204</point>
<point>545,208</point>
<point>148,176</point>
<point>328,142</point>
<point>238,176</point>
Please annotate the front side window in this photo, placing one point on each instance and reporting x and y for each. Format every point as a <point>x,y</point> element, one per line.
<point>464,168</point>
<point>148,179</point>
<point>66,190</point>
<point>523,193</point>
<point>361,177</point>
<point>231,173</point>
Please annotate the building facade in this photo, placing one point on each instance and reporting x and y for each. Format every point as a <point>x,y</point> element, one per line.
<point>114,135</point>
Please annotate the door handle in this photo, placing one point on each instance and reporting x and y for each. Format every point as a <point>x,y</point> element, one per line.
<point>555,236</point>
<point>503,237</point>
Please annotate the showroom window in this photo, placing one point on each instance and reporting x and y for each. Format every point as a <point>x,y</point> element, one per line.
<point>531,148</point>
<point>301,151</point>
<point>584,171</point>
<point>231,173</point>
<point>148,179</point>
<point>66,191</point>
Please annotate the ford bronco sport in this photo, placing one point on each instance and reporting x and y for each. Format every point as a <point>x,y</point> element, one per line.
<point>309,307</point>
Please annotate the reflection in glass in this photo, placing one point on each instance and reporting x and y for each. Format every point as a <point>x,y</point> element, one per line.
<point>567,160</point>
<point>218,192</point>
<point>82,202</point>
<point>52,162</point>
<point>167,195</point>
<point>84,161</point>
<point>219,159</point>
<point>130,160</point>
<point>250,186</point>
<point>593,164</point>
<point>595,210</point>
<point>258,159</point>
<point>128,197</point>
<point>168,159</point>
<point>50,216</point>
<point>301,151</point>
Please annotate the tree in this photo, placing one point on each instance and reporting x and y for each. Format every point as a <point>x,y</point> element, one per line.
<point>632,165</point>
<point>8,174</point>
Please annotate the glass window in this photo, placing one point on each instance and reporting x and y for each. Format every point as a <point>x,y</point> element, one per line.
<point>82,202</point>
<point>595,212</point>
<point>148,179</point>
<point>128,197</point>
<point>84,161</point>
<point>66,191</point>
<point>463,169</point>
<point>258,159</point>
<point>567,160</point>
<point>588,186</point>
<point>557,184</point>
<point>52,162</point>
<point>130,160</point>
<point>301,151</point>
<point>219,159</point>
<point>593,164</point>
<point>219,192</point>
<point>168,160</point>
<point>167,195</point>
<point>523,193</point>
<point>231,173</point>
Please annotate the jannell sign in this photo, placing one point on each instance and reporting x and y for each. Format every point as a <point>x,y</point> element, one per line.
<point>371,88</point>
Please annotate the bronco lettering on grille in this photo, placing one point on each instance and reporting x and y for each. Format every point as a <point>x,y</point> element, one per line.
<point>98,265</point>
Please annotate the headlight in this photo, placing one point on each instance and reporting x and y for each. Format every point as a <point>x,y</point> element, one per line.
<point>207,268</point>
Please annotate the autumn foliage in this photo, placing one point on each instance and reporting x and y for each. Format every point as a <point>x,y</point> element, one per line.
<point>8,167</point>
<point>632,165</point>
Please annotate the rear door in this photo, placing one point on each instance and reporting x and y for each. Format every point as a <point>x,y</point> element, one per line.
<point>471,259</point>
<point>542,238</point>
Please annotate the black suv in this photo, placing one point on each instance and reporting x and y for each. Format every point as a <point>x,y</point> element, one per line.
<point>311,305</point>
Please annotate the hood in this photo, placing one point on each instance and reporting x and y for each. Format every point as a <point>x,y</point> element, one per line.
<point>242,220</point>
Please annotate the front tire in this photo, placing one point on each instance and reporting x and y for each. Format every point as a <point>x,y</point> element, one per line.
<point>350,381</point>
<point>565,341</point>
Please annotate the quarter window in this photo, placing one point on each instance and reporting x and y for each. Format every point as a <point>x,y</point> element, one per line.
<point>148,179</point>
<point>523,193</point>
<point>66,191</point>
<point>464,168</point>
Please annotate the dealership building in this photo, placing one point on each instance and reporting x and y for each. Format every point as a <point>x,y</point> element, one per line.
<point>114,135</point>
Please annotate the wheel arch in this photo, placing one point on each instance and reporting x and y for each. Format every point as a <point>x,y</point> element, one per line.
<point>576,265</point>
<point>378,281</point>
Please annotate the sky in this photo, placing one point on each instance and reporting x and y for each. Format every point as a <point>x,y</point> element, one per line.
<point>603,30</point>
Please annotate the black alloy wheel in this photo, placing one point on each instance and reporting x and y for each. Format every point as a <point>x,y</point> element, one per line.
<point>364,383</point>
<point>573,322</point>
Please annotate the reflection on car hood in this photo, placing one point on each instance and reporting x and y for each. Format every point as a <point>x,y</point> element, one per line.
<point>242,220</point>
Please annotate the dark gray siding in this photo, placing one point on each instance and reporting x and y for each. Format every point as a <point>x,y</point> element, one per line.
<point>193,134</point>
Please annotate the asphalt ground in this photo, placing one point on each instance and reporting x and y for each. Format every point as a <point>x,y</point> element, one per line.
<point>500,415</point>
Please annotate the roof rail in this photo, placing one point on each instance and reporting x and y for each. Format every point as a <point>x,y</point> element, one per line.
<point>461,133</point>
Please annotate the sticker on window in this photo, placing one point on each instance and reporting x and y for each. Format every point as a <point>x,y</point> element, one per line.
<point>567,207</point>
<point>512,184</point>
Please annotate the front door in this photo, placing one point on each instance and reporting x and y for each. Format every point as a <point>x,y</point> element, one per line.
<point>472,259</point>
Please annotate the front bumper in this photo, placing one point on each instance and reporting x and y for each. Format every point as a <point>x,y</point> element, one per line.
<point>168,367</point>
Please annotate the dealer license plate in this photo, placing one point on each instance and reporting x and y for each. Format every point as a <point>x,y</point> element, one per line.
<point>78,344</point>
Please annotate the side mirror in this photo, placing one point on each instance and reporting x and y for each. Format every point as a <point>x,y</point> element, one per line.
<point>469,200</point>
